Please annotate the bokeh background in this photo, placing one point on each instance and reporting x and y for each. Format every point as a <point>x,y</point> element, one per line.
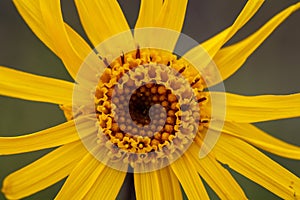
<point>273,69</point>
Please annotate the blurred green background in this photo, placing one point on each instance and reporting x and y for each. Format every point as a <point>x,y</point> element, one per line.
<point>273,69</point>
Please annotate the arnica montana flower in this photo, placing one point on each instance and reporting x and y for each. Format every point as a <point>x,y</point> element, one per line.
<point>142,103</point>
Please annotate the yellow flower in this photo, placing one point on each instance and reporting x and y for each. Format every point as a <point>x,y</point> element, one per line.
<point>90,175</point>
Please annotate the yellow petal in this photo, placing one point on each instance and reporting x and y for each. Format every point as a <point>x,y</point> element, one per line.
<point>146,186</point>
<point>253,164</point>
<point>248,109</point>
<point>148,13</point>
<point>214,44</point>
<point>48,138</point>
<point>78,43</point>
<point>27,86</point>
<point>230,59</point>
<point>216,176</point>
<point>107,185</point>
<point>169,185</point>
<point>172,15</point>
<point>101,19</point>
<point>46,21</point>
<point>161,184</point>
<point>82,178</point>
<point>44,172</point>
<point>188,176</point>
<point>259,138</point>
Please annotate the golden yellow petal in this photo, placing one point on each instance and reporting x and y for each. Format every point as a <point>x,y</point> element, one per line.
<point>172,15</point>
<point>216,176</point>
<point>27,86</point>
<point>231,58</point>
<point>108,184</point>
<point>82,178</point>
<point>248,161</point>
<point>149,185</point>
<point>166,185</point>
<point>44,172</point>
<point>101,19</point>
<point>214,44</point>
<point>248,109</point>
<point>31,13</point>
<point>148,13</point>
<point>259,138</point>
<point>62,134</point>
<point>46,21</point>
<point>188,176</point>
<point>169,185</point>
<point>78,43</point>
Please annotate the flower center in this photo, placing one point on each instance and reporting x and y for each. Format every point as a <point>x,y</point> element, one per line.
<point>147,96</point>
<point>149,124</point>
<point>138,107</point>
<point>146,108</point>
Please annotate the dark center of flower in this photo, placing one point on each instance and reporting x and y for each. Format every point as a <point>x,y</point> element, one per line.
<point>152,106</point>
<point>147,96</point>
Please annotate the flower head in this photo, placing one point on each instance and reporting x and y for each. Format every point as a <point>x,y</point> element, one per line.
<point>143,102</point>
